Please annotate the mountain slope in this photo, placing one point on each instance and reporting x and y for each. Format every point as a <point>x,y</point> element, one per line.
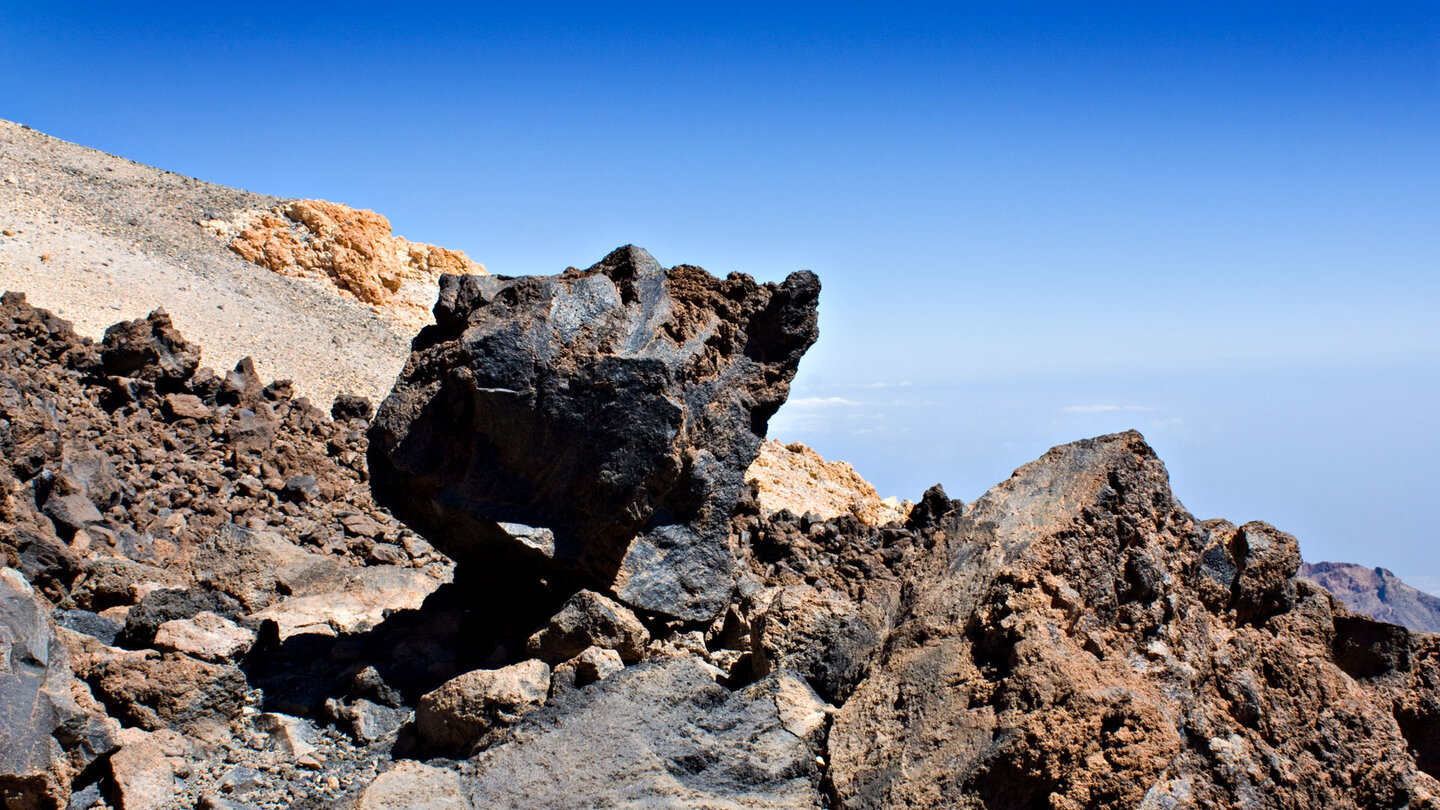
<point>96,239</point>
<point>1376,592</point>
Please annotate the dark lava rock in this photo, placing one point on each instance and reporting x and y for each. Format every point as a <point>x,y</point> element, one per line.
<point>617,406</point>
<point>91,624</point>
<point>165,604</point>
<point>351,406</point>
<point>46,738</point>
<point>822,636</point>
<point>149,349</point>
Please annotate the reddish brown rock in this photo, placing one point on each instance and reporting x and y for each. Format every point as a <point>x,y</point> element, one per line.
<point>1079,640</point>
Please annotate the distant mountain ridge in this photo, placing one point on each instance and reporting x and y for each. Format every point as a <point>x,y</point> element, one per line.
<point>1376,592</point>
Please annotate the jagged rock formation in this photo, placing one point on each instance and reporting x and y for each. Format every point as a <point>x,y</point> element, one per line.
<point>615,408</point>
<point>350,250</point>
<point>1376,592</point>
<point>201,606</point>
<point>1076,639</point>
<point>796,478</point>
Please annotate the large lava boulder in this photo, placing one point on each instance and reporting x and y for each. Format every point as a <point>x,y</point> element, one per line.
<point>594,426</point>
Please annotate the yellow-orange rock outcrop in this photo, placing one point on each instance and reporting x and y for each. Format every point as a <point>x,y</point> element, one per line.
<point>351,249</point>
<point>794,477</point>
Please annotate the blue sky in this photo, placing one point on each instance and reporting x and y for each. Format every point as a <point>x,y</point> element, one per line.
<point>1218,223</point>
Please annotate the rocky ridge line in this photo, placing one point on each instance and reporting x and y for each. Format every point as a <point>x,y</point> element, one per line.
<point>1378,593</point>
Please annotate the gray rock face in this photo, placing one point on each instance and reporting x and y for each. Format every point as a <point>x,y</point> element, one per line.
<point>617,406</point>
<point>661,736</point>
<point>46,738</point>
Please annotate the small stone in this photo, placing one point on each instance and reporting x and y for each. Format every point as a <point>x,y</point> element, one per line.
<point>186,406</point>
<point>8,231</point>
<point>361,525</point>
<point>309,762</point>
<point>291,736</point>
<point>301,489</point>
<point>594,664</point>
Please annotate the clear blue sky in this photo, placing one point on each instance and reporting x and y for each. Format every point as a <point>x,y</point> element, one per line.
<point>1216,222</point>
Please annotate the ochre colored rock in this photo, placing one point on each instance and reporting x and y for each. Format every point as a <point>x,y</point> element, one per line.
<point>794,477</point>
<point>349,248</point>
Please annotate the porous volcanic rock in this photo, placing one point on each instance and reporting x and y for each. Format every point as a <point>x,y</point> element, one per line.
<point>618,407</point>
<point>349,249</point>
<point>1077,639</point>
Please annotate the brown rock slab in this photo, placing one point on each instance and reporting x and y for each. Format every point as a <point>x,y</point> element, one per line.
<point>186,406</point>
<point>206,636</point>
<point>142,773</point>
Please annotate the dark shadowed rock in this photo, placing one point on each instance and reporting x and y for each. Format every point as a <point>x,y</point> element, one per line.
<point>823,636</point>
<point>351,406</point>
<point>46,738</point>
<point>1378,593</point>
<point>617,406</point>
<point>166,604</point>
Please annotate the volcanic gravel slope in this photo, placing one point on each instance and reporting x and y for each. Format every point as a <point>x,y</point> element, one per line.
<point>96,238</point>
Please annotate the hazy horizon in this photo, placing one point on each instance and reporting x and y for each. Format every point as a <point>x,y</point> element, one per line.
<point>1034,223</point>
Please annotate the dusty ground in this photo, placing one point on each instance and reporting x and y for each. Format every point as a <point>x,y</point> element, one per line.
<point>123,239</point>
